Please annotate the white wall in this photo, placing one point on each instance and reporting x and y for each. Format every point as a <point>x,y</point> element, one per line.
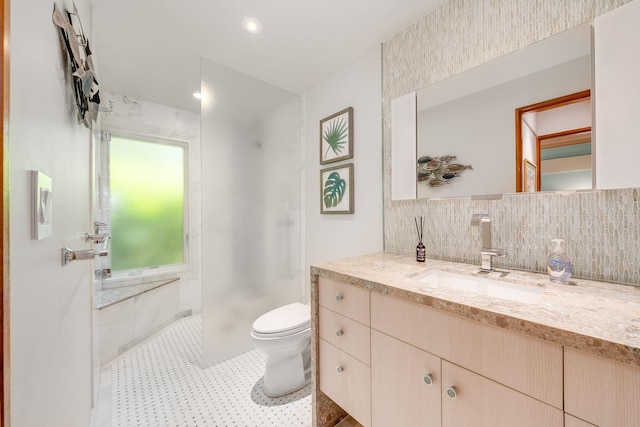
<point>331,237</point>
<point>51,305</point>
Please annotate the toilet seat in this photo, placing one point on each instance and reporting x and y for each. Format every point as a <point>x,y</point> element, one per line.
<point>283,321</point>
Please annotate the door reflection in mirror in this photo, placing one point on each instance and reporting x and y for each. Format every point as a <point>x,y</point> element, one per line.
<point>554,136</point>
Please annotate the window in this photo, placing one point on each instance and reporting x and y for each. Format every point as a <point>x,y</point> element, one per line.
<point>147,185</point>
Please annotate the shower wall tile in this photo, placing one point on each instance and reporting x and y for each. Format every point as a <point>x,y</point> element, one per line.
<point>601,227</point>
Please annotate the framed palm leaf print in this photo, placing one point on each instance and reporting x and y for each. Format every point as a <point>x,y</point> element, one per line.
<point>336,137</point>
<point>336,190</point>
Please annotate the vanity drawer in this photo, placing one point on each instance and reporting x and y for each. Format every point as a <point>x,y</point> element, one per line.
<point>346,381</point>
<point>524,363</point>
<point>348,300</point>
<point>346,334</point>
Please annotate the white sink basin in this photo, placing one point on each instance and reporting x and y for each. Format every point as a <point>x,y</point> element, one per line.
<point>481,286</point>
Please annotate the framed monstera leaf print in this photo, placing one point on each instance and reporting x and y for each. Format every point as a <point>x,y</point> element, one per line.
<point>336,190</point>
<point>336,137</point>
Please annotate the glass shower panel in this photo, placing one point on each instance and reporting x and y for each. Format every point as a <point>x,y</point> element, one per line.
<point>251,207</point>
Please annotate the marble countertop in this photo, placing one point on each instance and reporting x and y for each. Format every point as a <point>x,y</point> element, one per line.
<point>598,317</point>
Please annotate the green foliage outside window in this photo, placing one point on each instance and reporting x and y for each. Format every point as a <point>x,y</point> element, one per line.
<point>147,204</point>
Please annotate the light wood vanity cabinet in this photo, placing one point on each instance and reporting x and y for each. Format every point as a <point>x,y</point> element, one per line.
<point>388,361</point>
<point>601,391</point>
<point>344,347</point>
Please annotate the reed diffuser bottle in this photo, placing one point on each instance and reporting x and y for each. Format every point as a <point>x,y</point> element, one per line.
<point>420,249</point>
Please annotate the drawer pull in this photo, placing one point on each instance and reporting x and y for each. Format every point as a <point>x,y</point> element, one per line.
<point>451,392</point>
<point>427,379</point>
<point>339,370</point>
<point>339,333</point>
<point>339,298</point>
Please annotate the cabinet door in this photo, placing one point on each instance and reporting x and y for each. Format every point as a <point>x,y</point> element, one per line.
<point>571,421</point>
<point>480,402</point>
<point>601,391</point>
<point>400,394</point>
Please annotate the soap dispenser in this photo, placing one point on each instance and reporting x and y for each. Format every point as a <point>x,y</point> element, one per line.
<point>558,264</point>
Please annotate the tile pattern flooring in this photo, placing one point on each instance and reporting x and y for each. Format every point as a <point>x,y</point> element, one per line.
<point>161,383</point>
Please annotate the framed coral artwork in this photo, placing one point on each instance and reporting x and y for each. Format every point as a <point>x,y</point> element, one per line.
<point>336,137</point>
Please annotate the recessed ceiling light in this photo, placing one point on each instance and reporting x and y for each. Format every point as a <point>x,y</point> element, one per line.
<point>252,25</point>
<point>197,95</point>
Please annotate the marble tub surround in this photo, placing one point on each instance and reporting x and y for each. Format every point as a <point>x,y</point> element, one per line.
<point>125,324</point>
<point>597,317</point>
<point>106,297</point>
<point>602,228</point>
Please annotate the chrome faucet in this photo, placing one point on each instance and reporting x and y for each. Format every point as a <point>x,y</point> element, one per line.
<point>487,252</point>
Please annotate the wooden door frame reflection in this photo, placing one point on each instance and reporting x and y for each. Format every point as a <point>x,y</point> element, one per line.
<point>538,107</point>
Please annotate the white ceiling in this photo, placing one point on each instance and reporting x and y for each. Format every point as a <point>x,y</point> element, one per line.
<point>151,49</point>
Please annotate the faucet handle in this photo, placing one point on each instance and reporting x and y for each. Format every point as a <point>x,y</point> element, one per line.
<point>500,253</point>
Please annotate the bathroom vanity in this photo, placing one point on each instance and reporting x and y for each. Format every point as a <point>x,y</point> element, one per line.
<point>396,342</point>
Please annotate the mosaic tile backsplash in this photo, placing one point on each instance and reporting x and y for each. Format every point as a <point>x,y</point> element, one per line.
<point>602,228</point>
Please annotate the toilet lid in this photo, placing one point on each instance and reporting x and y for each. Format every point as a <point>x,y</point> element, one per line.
<point>293,317</point>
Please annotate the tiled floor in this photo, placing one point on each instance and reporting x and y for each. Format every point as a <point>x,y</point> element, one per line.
<point>161,383</point>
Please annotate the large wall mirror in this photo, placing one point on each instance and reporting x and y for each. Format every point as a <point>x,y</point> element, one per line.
<point>522,122</point>
<point>466,125</point>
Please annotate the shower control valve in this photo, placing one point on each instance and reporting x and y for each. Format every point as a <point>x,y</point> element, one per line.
<point>95,238</point>
<point>99,234</point>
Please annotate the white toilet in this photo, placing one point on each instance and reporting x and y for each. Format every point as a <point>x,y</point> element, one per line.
<point>284,334</point>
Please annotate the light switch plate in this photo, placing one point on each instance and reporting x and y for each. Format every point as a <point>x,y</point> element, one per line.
<point>42,200</point>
